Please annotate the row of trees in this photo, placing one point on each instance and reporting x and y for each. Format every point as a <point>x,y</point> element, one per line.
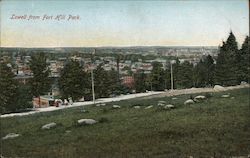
<point>230,68</point>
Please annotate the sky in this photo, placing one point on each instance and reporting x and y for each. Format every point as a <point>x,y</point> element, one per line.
<point>122,23</point>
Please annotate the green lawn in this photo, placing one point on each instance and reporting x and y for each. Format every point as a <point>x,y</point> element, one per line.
<point>217,127</point>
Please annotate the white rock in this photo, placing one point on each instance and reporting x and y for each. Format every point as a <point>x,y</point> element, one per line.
<point>86,121</point>
<point>169,106</point>
<point>49,125</point>
<point>116,107</point>
<point>162,101</point>
<point>160,104</point>
<point>137,107</point>
<point>10,136</point>
<point>174,98</point>
<point>200,97</point>
<point>219,88</point>
<point>149,107</point>
<point>189,101</point>
<point>97,105</point>
<point>225,96</point>
<point>103,104</point>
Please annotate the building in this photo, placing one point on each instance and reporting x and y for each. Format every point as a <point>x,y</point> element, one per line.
<point>43,101</point>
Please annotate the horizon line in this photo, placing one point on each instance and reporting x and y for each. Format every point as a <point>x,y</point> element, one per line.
<point>108,46</point>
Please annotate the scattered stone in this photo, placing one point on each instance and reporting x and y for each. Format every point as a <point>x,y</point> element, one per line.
<point>160,104</point>
<point>116,107</point>
<point>199,97</point>
<point>219,88</point>
<point>103,104</point>
<point>49,125</point>
<point>97,105</point>
<point>137,107</point>
<point>68,131</point>
<point>232,97</point>
<point>11,136</point>
<point>169,106</point>
<point>189,101</point>
<point>174,98</point>
<point>149,107</point>
<point>162,101</point>
<point>225,96</point>
<point>86,121</point>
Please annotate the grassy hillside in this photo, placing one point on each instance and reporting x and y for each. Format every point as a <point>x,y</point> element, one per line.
<point>216,127</point>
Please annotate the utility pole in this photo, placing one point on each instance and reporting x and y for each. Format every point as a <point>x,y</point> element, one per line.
<point>172,82</point>
<point>172,75</point>
<point>92,78</point>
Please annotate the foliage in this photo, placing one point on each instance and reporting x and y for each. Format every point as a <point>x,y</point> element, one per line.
<point>226,67</point>
<point>185,76</point>
<point>157,77</point>
<point>74,82</point>
<point>140,82</point>
<point>40,83</point>
<point>8,89</point>
<point>24,97</point>
<point>243,60</point>
<point>204,72</point>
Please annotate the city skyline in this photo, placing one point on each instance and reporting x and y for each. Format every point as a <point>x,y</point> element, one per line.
<point>123,23</point>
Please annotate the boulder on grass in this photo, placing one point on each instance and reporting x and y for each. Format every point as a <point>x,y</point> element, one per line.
<point>225,96</point>
<point>219,88</point>
<point>49,125</point>
<point>11,136</point>
<point>162,101</point>
<point>116,107</point>
<point>137,107</point>
<point>149,107</point>
<point>97,105</point>
<point>174,98</point>
<point>189,101</point>
<point>199,98</point>
<point>86,121</point>
<point>169,106</point>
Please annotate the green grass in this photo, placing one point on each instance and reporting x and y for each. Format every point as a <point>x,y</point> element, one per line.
<point>217,127</point>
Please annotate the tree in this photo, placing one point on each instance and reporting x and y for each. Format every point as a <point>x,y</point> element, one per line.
<point>40,83</point>
<point>8,89</point>
<point>209,70</point>
<point>185,76</point>
<point>74,82</point>
<point>101,82</point>
<point>140,81</point>
<point>200,74</point>
<point>226,67</point>
<point>204,72</point>
<point>243,60</point>
<point>157,77</point>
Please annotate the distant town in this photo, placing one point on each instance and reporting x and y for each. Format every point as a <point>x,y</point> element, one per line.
<point>131,59</point>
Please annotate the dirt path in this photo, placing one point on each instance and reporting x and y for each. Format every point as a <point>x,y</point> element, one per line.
<point>194,90</point>
<point>147,95</point>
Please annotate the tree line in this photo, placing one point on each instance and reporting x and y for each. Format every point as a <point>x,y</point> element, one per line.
<point>231,67</point>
